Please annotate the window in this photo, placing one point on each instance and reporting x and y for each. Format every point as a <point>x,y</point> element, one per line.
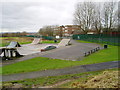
<point>66,30</point>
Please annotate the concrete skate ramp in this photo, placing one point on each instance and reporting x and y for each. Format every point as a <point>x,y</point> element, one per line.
<point>30,49</point>
<point>64,42</point>
<point>36,41</point>
<point>13,44</point>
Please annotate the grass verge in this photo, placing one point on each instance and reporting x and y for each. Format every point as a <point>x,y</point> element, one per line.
<point>50,80</point>
<point>81,41</point>
<point>98,42</point>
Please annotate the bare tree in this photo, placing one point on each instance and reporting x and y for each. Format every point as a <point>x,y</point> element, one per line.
<point>46,31</point>
<point>84,15</point>
<point>97,20</point>
<point>109,11</point>
<point>98,16</point>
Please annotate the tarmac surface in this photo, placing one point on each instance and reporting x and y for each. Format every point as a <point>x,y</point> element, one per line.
<point>65,71</point>
<point>71,52</point>
<point>29,49</point>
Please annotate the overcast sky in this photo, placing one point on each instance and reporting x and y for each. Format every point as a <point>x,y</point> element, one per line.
<point>31,15</point>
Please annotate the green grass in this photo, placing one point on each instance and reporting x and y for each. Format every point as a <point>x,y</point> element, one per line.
<point>45,81</point>
<point>3,44</point>
<point>50,41</point>
<point>110,54</point>
<point>47,42</point>
<point>81,41</point>
<point>35,64</point>
<point>43,63</point>
<point>6,44</point>
<point>98,42</point>
<point>25,42</point>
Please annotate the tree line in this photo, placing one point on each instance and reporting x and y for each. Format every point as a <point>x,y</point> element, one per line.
<point>14,34</point>
<point>102,16</point>
<point>98,16</point>
<point>48,30</point>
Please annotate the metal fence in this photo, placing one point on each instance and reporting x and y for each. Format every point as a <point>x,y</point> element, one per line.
<point>99,38</point>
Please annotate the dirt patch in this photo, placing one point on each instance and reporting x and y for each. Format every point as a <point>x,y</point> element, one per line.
<point>57,84</point>
<point>108,79</point>
<point>18,39</point>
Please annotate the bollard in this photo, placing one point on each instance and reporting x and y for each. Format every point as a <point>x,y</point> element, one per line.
<point>94,50</point>
<point>91,51</point>
<point>98,48</point>
<point>85,54</point>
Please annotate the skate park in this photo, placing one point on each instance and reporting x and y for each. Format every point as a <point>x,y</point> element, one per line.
<point>67,49</point>
<point>61,44</point>
<point>75,52</point>
<point>32,48</point>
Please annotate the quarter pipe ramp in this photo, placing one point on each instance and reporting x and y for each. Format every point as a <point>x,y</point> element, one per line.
<point>36,40</point>
<point>64,42</point>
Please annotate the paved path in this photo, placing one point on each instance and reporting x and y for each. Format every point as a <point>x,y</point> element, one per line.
<point>70,70</point>
<point>72,52</point>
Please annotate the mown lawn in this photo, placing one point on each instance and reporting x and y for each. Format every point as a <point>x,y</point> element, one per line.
<point>46,81</point>
<point>43,63</point>
<point>81,41</point>
<point>50,41</point>
<point>103,42</point>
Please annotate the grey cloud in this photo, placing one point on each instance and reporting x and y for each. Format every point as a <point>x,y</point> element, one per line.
<point>31,16</point>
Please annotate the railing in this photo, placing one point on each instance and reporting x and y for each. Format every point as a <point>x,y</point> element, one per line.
<point>91,51</point>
